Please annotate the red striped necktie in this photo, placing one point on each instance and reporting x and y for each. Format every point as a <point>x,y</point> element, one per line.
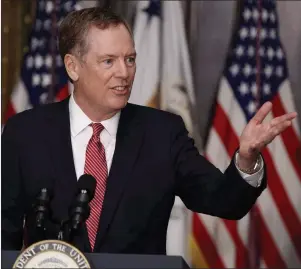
<point>96,166</point>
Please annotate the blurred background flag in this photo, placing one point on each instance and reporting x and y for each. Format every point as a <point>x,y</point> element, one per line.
<point>177,91</point>
<point>17,18</point>
<point>163,77</point>
<point>145,89</point>
<point>255,72</point>
<point>43,77</point>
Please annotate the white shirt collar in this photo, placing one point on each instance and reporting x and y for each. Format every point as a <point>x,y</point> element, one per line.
<point>79,120</point>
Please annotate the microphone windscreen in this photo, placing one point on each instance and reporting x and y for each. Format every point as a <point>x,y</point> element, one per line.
<point>88,183</point>
<point>45,185</point>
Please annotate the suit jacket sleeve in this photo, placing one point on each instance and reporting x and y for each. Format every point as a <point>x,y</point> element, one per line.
<point>204,188</point>
<point>12,201</point>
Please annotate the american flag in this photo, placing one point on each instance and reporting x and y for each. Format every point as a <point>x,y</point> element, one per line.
<point>255,72</point>
<point>43,77</point>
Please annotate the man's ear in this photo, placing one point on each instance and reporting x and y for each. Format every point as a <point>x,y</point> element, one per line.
<point>71,65</point>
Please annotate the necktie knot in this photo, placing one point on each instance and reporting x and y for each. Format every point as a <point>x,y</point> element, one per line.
<point>97,129</point>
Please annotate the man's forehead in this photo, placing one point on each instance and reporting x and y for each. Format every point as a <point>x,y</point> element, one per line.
<point>112,40</point>
<point>118,30</point>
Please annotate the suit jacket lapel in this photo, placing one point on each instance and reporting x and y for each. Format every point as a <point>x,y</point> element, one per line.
<point>128,142</point>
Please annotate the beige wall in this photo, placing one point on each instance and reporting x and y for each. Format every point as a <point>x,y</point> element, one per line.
<point>290,31</point>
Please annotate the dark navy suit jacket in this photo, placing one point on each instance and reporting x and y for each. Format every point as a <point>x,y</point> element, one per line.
<point>154,160</point>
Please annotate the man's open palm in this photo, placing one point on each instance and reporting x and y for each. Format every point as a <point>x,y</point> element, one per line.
<point>256,135</point>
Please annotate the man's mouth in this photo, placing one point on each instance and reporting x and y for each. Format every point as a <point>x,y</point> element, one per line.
<point>121,90</point>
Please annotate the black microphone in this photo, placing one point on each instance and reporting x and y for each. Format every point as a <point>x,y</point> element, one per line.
<point>80,210</point>
<point>41,207</point>
<point>38,217</point>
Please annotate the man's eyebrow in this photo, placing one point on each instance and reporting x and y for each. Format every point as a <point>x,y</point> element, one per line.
<point>132,54</point>
<point>106,56</point>
<point>103,56</point>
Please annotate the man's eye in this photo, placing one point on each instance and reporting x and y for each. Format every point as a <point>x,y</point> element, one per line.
<point>131,60</point>
<point>108,61</point>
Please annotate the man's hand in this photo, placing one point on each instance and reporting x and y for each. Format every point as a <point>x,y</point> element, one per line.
<point>257,135</point>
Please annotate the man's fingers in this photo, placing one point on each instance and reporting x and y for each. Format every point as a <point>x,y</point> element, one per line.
<point>279,128</point>
<point>285,117</point>
<point>268,137</point>
<point>262,112</point>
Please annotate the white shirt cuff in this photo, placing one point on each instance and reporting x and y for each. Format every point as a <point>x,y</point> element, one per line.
<point>254,179</point>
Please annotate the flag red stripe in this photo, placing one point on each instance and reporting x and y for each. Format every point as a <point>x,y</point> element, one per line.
<point>224,129</point>
<point>205,243</point>
<point>62,93</point>
<point>10,111</point>
<point>280,197</point>
<point>290,139</point>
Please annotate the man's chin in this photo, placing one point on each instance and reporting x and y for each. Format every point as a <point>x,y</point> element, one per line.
<point>120,104</point>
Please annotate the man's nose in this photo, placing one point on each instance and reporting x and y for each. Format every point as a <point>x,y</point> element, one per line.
<point>122,70</point>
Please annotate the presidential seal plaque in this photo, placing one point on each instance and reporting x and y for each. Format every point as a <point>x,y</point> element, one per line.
<point>51,254</point>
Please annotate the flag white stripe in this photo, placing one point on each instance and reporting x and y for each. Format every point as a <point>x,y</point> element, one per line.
<point>216,151</point>
<point>175,12</point>
<point>140,28</point>
<point>147,45</point>
<point>244,228</point>
<point>230,106</point>
<point>262,264</point>
<point>20,98</point>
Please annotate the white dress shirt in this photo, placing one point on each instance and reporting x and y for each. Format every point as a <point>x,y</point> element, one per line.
<point>81,133</point>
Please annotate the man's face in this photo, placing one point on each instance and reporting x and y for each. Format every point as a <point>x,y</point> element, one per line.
<point>106,75</point>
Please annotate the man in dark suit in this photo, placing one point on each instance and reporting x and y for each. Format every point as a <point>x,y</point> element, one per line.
<point>140,157</point>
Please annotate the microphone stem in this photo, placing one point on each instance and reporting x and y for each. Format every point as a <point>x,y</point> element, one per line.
<point>64,233</point>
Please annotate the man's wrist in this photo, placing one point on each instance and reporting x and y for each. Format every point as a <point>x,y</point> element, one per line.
<point>248,167</point>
